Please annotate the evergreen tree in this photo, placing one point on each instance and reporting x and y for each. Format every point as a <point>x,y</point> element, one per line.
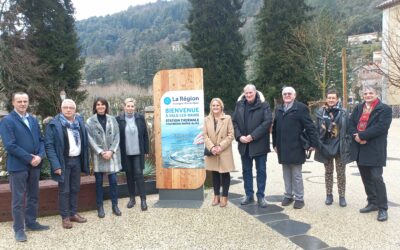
<point>280,59</point>
<point>52,34</point>
<point>19,67</point>
<point>217,46</point>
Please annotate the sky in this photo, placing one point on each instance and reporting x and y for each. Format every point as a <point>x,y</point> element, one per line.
<point>88,8</point>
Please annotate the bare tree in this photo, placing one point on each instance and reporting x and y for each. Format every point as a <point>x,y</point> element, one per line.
<point>390,67</point>
<point>321,41</point>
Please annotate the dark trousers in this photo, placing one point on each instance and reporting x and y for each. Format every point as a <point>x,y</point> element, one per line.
<point>21,183</point>
<point>374,186</point>
<point>112,180</point>
<point>221,178</point>
<point>261,167</point>
<point>134,175</point>
<point>69,189</point>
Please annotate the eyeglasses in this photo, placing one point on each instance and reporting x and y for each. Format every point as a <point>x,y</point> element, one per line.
<point>288,93</point>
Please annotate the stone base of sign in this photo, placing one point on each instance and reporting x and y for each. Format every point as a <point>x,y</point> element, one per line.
<point>179,198</point>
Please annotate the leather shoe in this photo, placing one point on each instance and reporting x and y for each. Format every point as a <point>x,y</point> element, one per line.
<point>77,218</point>
<point>143,204</point>
<point>224,201</point>
<point>262,202</point>
<point>116,210</point>
<point>247,200</point>
<point>36,226</point>
<point>286,201</point>
<point>298,204</point>
<point>66,223</point>
<point>369,208</point>
<point>215,200</point>
<point>100,212</point>
<point>329,199</point>
<point>131,202</point>
<point>382,215</point>
<point>20,236</point>
<point>342,202</point>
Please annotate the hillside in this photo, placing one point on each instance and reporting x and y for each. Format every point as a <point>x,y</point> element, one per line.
<point>132,45</point>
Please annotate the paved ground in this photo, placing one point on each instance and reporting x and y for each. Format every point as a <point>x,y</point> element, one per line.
<point>316,226</point>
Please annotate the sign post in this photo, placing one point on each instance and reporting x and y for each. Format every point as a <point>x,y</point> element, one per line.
<point>178,126</point>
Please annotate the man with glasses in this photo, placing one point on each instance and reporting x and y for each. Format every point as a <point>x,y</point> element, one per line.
<point>66,145</point>
<point>291,119</point>
<point>23,142</point>
<point>252,121</point>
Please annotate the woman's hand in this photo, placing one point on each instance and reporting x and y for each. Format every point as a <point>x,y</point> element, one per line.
<point>107,154</point>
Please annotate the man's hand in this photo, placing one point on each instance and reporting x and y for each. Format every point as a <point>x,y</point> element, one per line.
<point>276,150</point>
<point>57,171</point>
<point>36,160</point>
<point>246,139</point>
<point>243,139</point>
<point>249,138</point>
<point>357,139</point>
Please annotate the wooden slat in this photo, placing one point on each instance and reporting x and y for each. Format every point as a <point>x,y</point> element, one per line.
<point>172,80</point>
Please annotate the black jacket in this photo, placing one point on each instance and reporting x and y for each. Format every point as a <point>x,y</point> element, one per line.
<point>259,119</point>
<point>373,153</point>
<point>143,138</point>
<point>344,137</point>
<point>286,133</point>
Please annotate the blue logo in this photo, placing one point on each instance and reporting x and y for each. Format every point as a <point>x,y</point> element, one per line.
<point>167,100</point>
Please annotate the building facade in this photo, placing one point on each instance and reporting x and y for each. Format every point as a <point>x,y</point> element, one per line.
<point>391,51</point>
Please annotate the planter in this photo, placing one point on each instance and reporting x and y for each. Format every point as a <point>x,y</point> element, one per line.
<point>48,196</point>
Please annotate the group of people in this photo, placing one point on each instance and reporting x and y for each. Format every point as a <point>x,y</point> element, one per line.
<point>336,137</point>
<point>114,143</point>
<point>121,142</point>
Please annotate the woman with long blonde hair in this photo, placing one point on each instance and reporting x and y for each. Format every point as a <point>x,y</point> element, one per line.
<point>218,137</point>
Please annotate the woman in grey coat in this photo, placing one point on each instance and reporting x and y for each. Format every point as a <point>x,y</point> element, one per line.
<point>134,147</point>
<point>103,132</point>
<point>334,144</point>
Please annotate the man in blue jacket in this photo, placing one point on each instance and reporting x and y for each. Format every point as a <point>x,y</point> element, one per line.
<point>66,143</point>
<point>23,142</point>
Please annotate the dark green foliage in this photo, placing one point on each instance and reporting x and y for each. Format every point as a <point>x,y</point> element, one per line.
<point>52,33</point>
<point>280,60</point>
<point>133,45</point>
<point>19,67</point>
<point>217,46</point>
<point>131,30</point>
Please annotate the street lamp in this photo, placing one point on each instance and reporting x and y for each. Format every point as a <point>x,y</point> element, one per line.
<point>63,95</point>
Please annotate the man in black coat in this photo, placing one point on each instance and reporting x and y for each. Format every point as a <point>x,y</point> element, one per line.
<point>291,119</point>
<point>252,121</point>
<point>369,125</point>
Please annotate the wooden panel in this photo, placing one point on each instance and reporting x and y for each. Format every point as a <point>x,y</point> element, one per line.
<point>172,80</point>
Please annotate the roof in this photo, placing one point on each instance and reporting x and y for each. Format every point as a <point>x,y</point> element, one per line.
<point>388,4</point>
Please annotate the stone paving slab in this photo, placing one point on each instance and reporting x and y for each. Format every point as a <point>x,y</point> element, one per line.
<point>334,227</point>
<point>206,227</point>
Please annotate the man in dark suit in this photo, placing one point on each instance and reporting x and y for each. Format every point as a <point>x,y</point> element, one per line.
<point>24,144</point>
<point>291,119</point>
